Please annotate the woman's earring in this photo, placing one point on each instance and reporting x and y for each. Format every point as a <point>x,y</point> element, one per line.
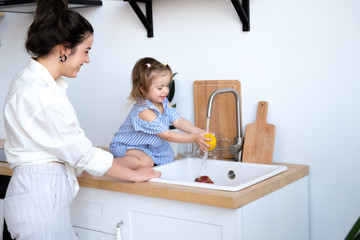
<point>63,58</point>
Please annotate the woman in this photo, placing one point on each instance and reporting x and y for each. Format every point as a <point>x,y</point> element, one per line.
<point>44,141</point>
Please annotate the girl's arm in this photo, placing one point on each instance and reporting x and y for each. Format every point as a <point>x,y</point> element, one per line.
<point>198,138</point>
<point>186,126</point>
<point>194,134</point>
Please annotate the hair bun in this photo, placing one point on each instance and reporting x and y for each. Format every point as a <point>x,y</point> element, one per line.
<point>54,23</point>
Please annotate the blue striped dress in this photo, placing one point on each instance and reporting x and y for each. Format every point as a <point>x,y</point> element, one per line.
<point>136,133</point>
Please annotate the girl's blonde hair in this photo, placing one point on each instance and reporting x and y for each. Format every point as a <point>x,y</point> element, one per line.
<point>144,71</point>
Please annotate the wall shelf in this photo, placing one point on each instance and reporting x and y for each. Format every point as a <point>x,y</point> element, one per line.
<point>242,9</point>
<point>147,20</point>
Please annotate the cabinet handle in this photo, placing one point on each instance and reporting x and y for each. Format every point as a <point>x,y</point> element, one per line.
<point>118,230</point>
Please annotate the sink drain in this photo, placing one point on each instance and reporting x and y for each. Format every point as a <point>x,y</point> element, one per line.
<point>231,174</point>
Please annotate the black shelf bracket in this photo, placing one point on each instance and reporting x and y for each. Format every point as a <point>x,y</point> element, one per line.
<point>243,10</point>
<point>147,20</point>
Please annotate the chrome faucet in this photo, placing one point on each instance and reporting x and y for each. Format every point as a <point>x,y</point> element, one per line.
<point>238,140</point>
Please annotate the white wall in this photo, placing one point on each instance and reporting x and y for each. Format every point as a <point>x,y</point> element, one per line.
<point>301,56</point>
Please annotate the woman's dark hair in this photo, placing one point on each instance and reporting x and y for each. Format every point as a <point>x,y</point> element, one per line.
<point>55,24</point>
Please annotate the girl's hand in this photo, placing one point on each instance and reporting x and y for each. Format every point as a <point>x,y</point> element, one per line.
<point>200,140</point>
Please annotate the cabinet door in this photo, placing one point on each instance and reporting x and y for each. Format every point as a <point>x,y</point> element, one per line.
<point>86,234</point>
<point>94,209</point>
<point>162,219</point>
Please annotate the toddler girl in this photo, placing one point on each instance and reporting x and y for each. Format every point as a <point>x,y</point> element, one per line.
<point>144,135</point>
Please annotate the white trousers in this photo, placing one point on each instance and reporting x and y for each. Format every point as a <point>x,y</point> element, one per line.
<point>37,203</point>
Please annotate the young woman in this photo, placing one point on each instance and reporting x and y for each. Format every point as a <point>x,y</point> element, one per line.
<point>44,141</point>
<point>145,133</point>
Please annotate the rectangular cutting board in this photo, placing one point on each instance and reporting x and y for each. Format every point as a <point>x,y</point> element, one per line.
<point>223,115</point>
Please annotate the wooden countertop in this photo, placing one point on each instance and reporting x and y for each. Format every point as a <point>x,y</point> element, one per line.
<point>210,197</point>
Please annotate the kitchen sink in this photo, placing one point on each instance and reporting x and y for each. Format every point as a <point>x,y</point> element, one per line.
<point>226,175</point>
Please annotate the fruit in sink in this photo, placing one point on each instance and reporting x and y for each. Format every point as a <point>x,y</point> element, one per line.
<point>212,142</point>
<point>204,179</point>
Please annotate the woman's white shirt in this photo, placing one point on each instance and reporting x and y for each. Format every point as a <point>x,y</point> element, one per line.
<point>41,125</point>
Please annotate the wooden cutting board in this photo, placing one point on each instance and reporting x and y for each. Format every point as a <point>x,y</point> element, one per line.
<point>259,138</point>
<point>223,115</point>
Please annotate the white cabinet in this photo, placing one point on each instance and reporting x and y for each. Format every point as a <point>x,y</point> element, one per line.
<point>282,214</point>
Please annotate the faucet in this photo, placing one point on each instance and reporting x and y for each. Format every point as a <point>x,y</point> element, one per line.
<point>238,140</point>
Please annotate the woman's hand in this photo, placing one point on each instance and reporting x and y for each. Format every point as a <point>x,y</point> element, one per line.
<point>122,172</point>
<point>144,174</point>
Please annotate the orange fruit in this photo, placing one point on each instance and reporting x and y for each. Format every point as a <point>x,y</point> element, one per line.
<point>212,142</point>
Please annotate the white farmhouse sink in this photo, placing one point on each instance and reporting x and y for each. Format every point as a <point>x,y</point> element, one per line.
<point>185,170</point>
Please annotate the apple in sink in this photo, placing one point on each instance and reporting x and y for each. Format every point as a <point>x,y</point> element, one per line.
<point>204,179</point>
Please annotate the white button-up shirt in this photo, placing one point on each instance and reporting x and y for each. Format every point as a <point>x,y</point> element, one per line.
<point>41,126</point>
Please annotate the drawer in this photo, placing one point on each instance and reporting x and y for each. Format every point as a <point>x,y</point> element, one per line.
<point>86,234</point>
<point>94,209</point>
